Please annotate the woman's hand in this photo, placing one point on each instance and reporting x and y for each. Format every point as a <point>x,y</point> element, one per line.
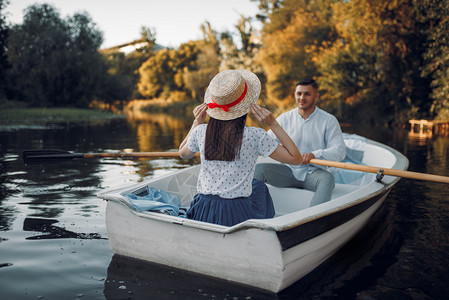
<point>286,152</point>
<point>200,113</point>
<point>263,115</point>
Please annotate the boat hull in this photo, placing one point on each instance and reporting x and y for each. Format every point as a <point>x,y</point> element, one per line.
<point>302,258</point>
<point>252,256</point>
<point>268,254</point>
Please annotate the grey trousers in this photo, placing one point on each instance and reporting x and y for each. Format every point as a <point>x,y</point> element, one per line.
<point>319,181</point>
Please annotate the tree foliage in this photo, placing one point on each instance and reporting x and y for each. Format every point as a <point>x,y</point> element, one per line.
<point>374,63</point>
<point>123,68</point>
<point>4,31</point>
<point>375,60</point>
<point>55,62</point>
<point>205,66</point>
<point>290,39</point>
<point>157,74</point>
<point>245,57</point>
<point>366,54</point>
<point>183,71</point>
<point>436,15</point>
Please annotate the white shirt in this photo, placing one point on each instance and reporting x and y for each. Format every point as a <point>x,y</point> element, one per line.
<point>231,179</point>
<point>319,134</point>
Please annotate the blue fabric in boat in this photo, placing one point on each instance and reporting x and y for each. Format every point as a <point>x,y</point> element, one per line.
<point>228,212</point>
<point>355,148</point>
<point>156,200</point>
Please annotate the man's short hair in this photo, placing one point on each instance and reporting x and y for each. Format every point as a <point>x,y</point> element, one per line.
<point>308,82</point>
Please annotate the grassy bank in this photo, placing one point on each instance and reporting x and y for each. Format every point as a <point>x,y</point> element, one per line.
<point>162,106</point>
<point>34,116</point>
<point>16,113</point>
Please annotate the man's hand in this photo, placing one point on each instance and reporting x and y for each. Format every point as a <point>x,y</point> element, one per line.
<point>306,157</point>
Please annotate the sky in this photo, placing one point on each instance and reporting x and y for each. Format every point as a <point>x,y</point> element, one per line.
<point>175,21</point>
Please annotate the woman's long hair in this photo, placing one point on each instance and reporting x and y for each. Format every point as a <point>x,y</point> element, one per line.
<point>224,139</point>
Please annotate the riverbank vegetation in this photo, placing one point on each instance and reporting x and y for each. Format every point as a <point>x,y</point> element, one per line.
<point>40,116</point>
<point>376,61</point>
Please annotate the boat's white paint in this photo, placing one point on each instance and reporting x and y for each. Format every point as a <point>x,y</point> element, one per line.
<point>305,257</point>
<point>243,256</point>
<point>250,252</point>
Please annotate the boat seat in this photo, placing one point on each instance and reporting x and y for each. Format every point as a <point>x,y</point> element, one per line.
<point>288,200</point>
<point>343,189</point>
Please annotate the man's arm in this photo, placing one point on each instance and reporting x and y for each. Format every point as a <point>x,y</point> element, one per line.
<point>336,148</point>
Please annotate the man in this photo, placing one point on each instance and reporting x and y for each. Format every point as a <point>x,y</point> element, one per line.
<point>317,134</point>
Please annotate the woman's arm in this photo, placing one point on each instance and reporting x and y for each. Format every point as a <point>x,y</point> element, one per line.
<point>200,116</point>
<point>286,152</point>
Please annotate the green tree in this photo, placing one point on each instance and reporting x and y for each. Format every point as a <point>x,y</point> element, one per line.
<point>246,57</point>
<point>123,68</point>
<point>148,37</point>
<point>55,62</point>
<point>435,14</point>
<point>229,52</point>
<point>157,75</point>
<point>267,8</point>
<point>371,70</point>
<point>206,65</point>
<point>182,73</point>
<point>118,81</point>
<point>290,39</point>
<point>4,30</point>
<point>85,65</point>
<point>185,64</point>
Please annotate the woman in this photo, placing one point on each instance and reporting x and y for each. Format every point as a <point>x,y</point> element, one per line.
<point>227,192</point>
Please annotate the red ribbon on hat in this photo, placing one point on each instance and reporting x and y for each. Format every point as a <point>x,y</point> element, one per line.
<point>226,107</point>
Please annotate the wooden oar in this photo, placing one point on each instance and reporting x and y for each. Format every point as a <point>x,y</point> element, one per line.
<point>44,156</point>
<point>385,171</point>
<point>54,156</point>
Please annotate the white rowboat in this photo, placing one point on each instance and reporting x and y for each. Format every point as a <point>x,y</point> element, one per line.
<point>269,254</point>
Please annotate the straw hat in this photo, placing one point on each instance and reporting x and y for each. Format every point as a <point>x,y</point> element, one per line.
<point>231,93</point>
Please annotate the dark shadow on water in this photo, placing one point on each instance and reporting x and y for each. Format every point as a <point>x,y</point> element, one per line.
<point>54,232</point>
<point>130,278</point>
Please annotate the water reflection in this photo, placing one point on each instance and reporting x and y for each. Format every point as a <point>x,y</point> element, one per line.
<point>159,132</point>
<point>46,186</point>
<point>163,132</point>
<point>423,129</point>
<point>403,253</point>
<point>421,133</point>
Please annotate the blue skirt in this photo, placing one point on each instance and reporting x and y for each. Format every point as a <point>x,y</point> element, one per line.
<point>228,212</point>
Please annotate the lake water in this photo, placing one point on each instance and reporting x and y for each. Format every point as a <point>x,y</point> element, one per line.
<point>53,242</point>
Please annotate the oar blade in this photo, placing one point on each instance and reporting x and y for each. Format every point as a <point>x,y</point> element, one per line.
<point>48,156</point>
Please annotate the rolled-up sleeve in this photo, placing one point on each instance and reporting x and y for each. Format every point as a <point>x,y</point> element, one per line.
<point>336,149</point>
